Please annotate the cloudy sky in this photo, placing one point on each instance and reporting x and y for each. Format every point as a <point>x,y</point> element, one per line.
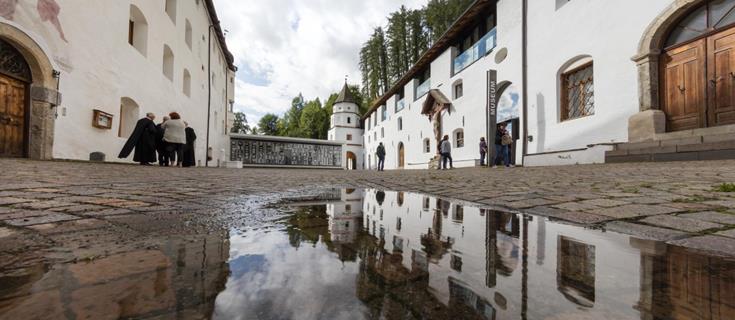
<point>283,47</point>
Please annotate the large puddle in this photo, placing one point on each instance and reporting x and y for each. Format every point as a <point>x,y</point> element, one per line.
<point>366,254</point>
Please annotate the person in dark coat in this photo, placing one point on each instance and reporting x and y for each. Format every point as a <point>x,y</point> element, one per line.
<point>163,159</point>
<point>191,136</point>
<point>143,140</point>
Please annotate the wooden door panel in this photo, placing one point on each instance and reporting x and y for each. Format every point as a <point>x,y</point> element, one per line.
<point>684,84</point>
<point>12,117</point>
<point>721,72</point>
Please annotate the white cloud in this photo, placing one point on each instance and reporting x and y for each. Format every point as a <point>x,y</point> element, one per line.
<point>284,47</point>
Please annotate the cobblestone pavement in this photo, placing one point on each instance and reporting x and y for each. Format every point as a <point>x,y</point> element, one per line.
<point>69,211</point>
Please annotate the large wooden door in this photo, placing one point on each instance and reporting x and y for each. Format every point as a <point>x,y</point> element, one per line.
<point>721,74</point>
<point>684,83</point>
<point>12,117</point>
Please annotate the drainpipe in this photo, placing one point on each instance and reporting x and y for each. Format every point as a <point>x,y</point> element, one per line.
<point>209,92</point>
<point>525,80</point>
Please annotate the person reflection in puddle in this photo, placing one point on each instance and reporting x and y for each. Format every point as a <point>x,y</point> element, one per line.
<point>380,197</point>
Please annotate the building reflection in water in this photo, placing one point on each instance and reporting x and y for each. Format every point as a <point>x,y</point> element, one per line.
<point>421,257</point>
<point>179,279</point>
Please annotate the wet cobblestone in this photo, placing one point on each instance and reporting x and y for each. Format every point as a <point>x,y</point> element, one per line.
<point>81,207</point>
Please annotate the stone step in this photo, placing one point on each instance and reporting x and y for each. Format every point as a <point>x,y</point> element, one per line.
<point>700,147</point>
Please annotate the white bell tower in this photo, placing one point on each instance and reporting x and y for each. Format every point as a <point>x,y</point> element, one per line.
<point>345,126</point>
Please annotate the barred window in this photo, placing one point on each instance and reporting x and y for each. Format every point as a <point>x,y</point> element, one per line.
<point>459,138</point>
<point>578,93</point>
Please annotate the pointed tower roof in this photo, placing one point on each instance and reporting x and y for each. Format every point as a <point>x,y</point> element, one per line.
<point>345,95</point>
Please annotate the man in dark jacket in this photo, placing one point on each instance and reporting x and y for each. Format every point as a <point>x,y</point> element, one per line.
<point>143,140</point>
<point>191,136</point>
<point>381,156</point>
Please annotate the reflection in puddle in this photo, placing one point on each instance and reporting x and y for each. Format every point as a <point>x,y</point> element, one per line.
<point>368,254</point>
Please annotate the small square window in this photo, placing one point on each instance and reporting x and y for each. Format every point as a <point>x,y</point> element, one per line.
<point>349,137</point>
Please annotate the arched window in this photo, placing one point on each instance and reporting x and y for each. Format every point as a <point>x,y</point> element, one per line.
<point>188,34</point>
<point>171,9</point>
<point>427,145</point>
<point>712,16</point>
<point>138,30</point>
<point>577,96</point>
<point>400,124</point>
<point>187,83</point>
<point>129,113</point>
<point>459,138</point>
<point>168,62</point>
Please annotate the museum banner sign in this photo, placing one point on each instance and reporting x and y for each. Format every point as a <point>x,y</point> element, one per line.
<point>268,151</point>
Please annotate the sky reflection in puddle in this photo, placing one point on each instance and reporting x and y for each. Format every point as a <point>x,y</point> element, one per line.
<point>369,254</point>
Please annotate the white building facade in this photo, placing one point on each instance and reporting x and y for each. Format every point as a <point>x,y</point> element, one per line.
<point>580,81</point>
<point>98,67</point>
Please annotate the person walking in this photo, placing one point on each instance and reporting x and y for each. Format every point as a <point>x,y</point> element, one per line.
<point>143,140</point>
<point>380,153</point>
<point>175,137</point>
<point>446,153</point>
<point>191,136</point>
<point>161,145</point>
<point>502,141</point>
<point>483,151</point>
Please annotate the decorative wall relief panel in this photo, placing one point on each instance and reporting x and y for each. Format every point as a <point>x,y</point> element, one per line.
<point>283,153</point>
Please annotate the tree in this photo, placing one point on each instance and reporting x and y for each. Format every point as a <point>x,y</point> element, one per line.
<point>314,120</point>
<point>240,124</point>
<point>268,125</point>
<point>290,123</point>
<point>440,14</point>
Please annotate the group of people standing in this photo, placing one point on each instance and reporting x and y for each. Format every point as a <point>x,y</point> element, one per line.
<point>503,141</point>
<point>173,141</point>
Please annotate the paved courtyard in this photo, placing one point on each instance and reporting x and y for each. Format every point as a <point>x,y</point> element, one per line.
<point>71,211</point>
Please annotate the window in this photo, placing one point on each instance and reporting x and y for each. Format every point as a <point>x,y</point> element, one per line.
<point>170,8</point>
<point>375,120</point>
<point>423,83</point>
<point>375,138</point>
<point>138,30</point>
<point>168,62</point>
<point>349,120</point>
<point>187,34</point>
<point>400,101</point>
<point>458,213</point>
<point>382,132</point>
<point>368,123</point>
<point>383,113</point>
<point>187,83</point>
<point>400,124</point>
<point>349,137</point>
<point>578,92</point>
<point>348,207</point>
<point>458,90</point>
<point>426,203</point>
<point>427,145</point>
<point>459,138</point>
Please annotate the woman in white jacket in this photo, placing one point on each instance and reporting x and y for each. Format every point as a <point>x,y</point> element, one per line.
<point>175,137</point>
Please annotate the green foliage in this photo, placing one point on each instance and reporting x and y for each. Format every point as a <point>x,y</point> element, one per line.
<point>390,52</point>
<point>268,125</point>
<point>240,125</point>
<point>314,121</point>
<point>725,187</point>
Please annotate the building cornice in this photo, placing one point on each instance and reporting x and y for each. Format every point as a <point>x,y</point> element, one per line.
<point>214,20</point>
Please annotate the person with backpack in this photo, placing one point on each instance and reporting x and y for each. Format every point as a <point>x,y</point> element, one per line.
<point>380,153</point>
<point>503,140</point>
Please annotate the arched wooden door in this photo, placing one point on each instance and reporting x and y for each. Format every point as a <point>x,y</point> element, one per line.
<point>15,75</point>
<point>351,161</point>
<point>698,69</point>
<point>401,156</point>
